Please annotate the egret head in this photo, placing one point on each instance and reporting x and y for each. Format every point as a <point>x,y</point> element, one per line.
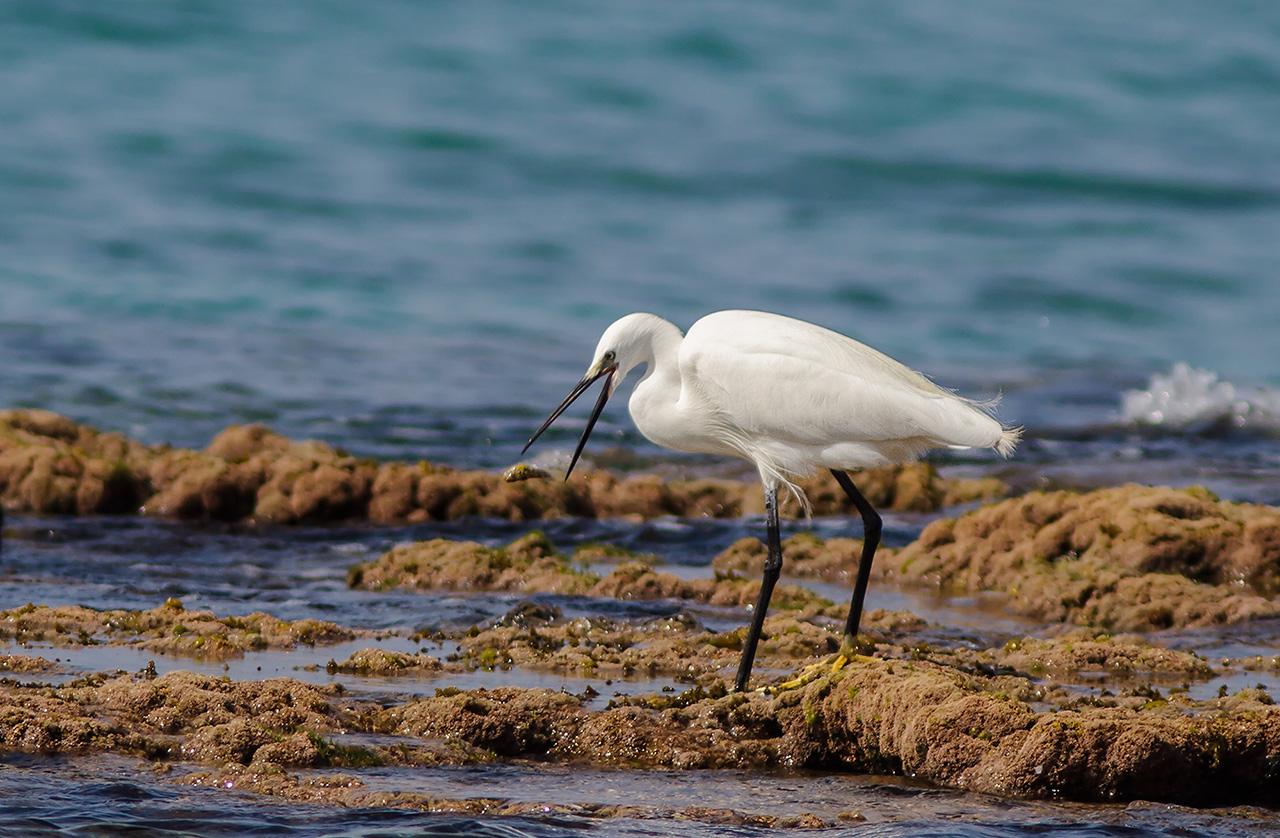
<point>622,347</point>
<point>605,366</point>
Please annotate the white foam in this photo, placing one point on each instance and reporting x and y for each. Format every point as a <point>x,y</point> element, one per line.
<point>1196,397</point>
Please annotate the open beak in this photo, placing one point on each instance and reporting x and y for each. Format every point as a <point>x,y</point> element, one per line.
<point>591,378</point>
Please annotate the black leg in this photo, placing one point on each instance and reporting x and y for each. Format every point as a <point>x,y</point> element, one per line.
<point>870,540</point>
<point>772,569</point>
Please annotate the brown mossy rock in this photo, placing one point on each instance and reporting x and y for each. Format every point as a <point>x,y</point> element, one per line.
<point>528,564</point>
<point>298,750</point>
<point>219,719</point>
<point>393,495</point>
<point>1082,651</point>
<point>1132,558</point>
<point>191,485</point>
<point>374,661</point>
<point>169,628</point>
<point>921,719</point>
<point>913,487</point>
<point>49,724</point>
<point>241,443</point>
<point>312,482</point>
<point>929,722</point>
<point>804,556</point>
<point>49,464</point>
<point>234,741</point>
<point>25,663</point>
<point>506,721</point>
<point>936,722</point>
<point>607,649</point>
<point>183,701</point>
<point>62,480</point>
<point>511,722</point>
<point>41,423</point>
<point>531,564</point>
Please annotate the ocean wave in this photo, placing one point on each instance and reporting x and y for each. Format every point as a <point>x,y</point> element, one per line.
<point>1198,400</point>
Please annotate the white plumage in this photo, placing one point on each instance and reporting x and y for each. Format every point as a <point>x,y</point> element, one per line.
<point>787,395</point>
<point>790,397</point>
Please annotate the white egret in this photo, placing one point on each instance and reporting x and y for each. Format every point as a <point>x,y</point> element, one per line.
<point>790,397</point>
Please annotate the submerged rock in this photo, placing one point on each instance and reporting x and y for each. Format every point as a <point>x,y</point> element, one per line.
<point>52,465</point>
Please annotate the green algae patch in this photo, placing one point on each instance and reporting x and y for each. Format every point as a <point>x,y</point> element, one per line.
<point>1132,558</point>
<point>52,465</point>
<point>169,629</point>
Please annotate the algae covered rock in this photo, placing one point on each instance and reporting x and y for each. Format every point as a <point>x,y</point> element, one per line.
<point>168,628</point>
<point>1132,558</point>
<point>531,564</point>
<point>50,464</point>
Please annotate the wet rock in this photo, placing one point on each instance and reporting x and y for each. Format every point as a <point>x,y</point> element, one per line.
<point>529,564</point>
<point>35,723</point>
<point>383,662</point>
<point>241,443</point>
<point>939,720</point>
<point>505,721</point>
<point>601,648</point>
<point>169,628</point>
<point>1082,651</point>
<point>394,493</point>
<point>199,487</point>
<point>1133,558</point>
<point>25,663</point>
<point>300,750</point>
<point>233,741</point>
<point>804,556</point>
<point>51,465</point>
<point>42,423</point>
<point>532,565</point>
<point>530,613</point>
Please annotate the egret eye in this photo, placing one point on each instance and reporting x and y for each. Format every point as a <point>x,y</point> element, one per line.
<point>609,356</point>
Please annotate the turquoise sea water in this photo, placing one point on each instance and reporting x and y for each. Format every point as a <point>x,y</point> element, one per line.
<point>299,211</point>
<point>401,226</point>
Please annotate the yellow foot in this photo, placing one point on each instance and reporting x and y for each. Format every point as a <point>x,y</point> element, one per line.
<point>830,666</point>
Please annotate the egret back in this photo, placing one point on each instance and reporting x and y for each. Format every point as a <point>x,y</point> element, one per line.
<point>805,397</point>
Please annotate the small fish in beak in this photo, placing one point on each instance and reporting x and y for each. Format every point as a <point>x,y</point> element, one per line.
<point>600,370</point>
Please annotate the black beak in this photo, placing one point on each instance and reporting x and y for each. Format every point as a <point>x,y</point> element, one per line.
<point>607,375</point>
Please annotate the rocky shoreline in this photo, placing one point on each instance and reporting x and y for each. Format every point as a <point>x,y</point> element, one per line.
<point>1104,572</point>
<point>50,465</point>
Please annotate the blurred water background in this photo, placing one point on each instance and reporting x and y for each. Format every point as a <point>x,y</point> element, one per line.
<point>401,227</point>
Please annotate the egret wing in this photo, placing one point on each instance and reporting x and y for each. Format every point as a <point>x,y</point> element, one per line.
<point>783,380</point>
